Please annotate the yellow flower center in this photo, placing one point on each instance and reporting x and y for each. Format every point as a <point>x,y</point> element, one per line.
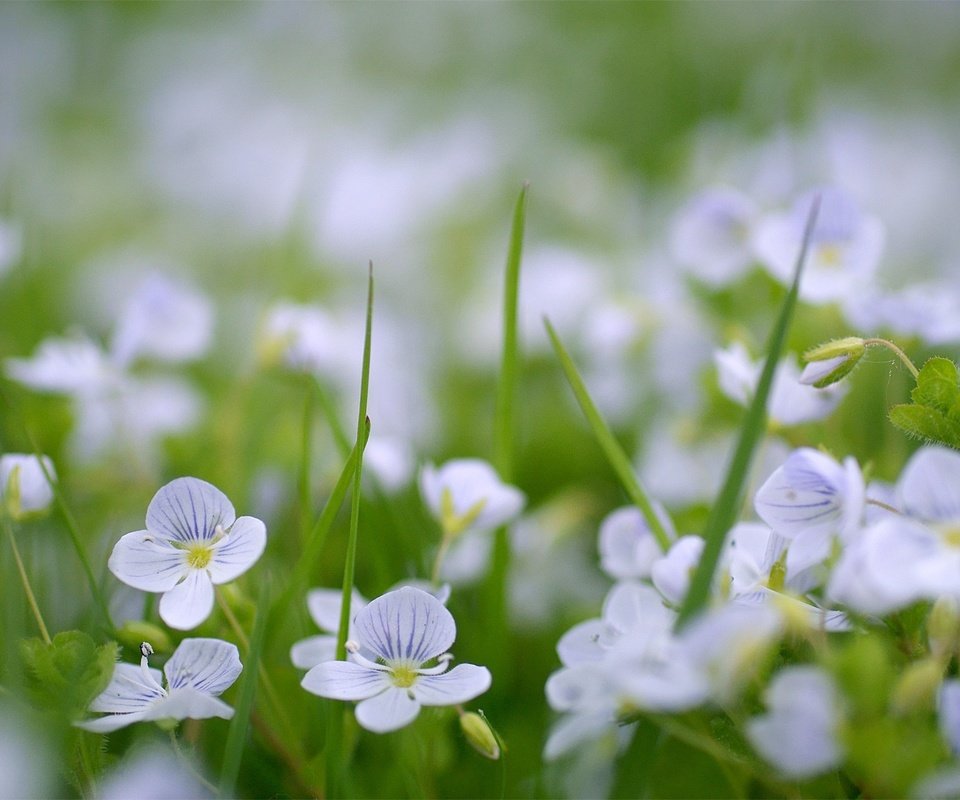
<point>831,255</point>
<point>199,555</point>
<point>403,676</point>
<point>951,536</point>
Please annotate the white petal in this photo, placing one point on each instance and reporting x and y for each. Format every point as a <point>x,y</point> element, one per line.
<point>188,703</point>
<point>238,550</point>
<point>324,607</point>
<point>462,683</point>
<point>188,603</point>
<point>806,492</point>
<point>930,485</point>
<point>581,643</point>
<point>344,680</point>
<point>110,723</point>
<point>387,711</point>
<point>949,707</point>
<point>313,650</point>
<point>575,730</point>
<point>128,690</point>
<point>143,561</point>
<point>207,665</point>
<point>406,624</point>
<point>189,509</point>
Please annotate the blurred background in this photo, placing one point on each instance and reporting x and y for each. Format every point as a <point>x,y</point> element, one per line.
<point>190,195</point>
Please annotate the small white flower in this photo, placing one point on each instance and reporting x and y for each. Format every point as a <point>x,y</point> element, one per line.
<point>711,235</point>
<point>812,492</point>
<point>405,630</point>
<point>75,367</point>
<point>671,572</point>
<point>798,735</point>
<point>467,494</point>
<point>627,545</point>
<point>193,540</point>
<point>845,247</point>
<point>163,319</point>
<point>198,671</point>
<point>24,488</point>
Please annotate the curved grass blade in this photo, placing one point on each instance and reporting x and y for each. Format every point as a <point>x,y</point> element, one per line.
<point>610,446</point>
<point>725,510</point>
<point>237,735</point>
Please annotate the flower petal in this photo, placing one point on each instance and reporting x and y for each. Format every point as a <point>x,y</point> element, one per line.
<point>110,723</point>
<point>324,607</point>
<point>313,650</point>
<point>462,683</point>
<point>806,492</point>
<point>143,561</point>
<point>189,509</point>
<point>238,550</point>
<point>207,665</point>
<point>188,703</point>
<point>388,711</point>
<point>930,485</point>
<point>128,690</point>
<point>406,624</point>
<point>188,603</point>
<point>344,680</point>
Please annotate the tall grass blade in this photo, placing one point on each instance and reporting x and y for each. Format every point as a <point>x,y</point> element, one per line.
<point>726,508</point>
<point>617,459</point>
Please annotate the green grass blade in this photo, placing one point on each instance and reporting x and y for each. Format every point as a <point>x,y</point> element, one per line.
<point>610,446</point>
<point>362,430</point>
<point>505,414</point>
<point>306,453</point>
<point>237,735</point>
<point>725,510</point>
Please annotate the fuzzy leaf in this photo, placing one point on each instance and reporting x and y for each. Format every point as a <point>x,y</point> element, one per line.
<point>927,423</point>
<point>934,414</point>
<point>65,675</point>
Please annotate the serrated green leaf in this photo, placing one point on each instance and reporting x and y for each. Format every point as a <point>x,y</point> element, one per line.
<point>938,386</point>
<point>925,422</point>
<point>65,675</point>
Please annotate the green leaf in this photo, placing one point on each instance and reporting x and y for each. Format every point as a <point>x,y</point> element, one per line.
<point>65,675</point>
<point>725,510</point>
<point>610,446</point>
<point>934,414</point>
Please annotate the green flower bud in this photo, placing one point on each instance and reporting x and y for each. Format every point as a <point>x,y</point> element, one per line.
<point>916,690</point>
<point>943,627</point>
<point>832,361</point>
<point>133,632</point>
<point>480,735</point>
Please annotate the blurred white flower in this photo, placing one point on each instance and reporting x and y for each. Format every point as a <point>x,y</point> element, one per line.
<point>467,494</point>
<point>711,235</point>
<point>28,770</point>
<point>798,734</point>
<point>198,671</point>
<point>671,572</point>
<point>948,705</point>
<point>163,320</point>
<point>151,773</point>
<point>75,366</point>
<point>390,461</point>
<point>790,402</point>
<point>845,246</point>
<point>406,630</point>
<point>627,545</point>
<point>24,488</point>
<point>193,540</point>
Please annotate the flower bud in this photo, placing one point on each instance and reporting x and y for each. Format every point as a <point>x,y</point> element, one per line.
<point>480,735</point>
<point>832,361</point>
<point>24,486</point>
<point>943,627</point>
<point>134,632</point>
<point>916,690</point>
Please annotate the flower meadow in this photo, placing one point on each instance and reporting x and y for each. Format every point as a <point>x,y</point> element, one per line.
<point>424,401</point>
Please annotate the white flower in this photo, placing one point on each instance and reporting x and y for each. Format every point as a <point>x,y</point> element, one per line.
<point>798,735</point>
<point>163,319</point>
<point>845,247</point>
<point>74,367</point>
<point>812,492</point>
<point>151,773</point>
<point>467,494</point>
<point>390,462</point>
<point>627,545</point>
<point>790,402</point>
<point>193,540</point>
<point>198,671</point>
<point>711,235</point>
<point>671,572</point>
<point>24,488</point>
<point>405,630</point>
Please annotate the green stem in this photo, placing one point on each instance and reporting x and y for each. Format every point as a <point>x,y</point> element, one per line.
<point>904,358</point>
<point>306,443</point>
<point>31,599</point>
<point>438,561</point>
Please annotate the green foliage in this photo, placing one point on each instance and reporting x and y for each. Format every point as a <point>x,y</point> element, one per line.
<point>65,675</point>
<point>934,414</point>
